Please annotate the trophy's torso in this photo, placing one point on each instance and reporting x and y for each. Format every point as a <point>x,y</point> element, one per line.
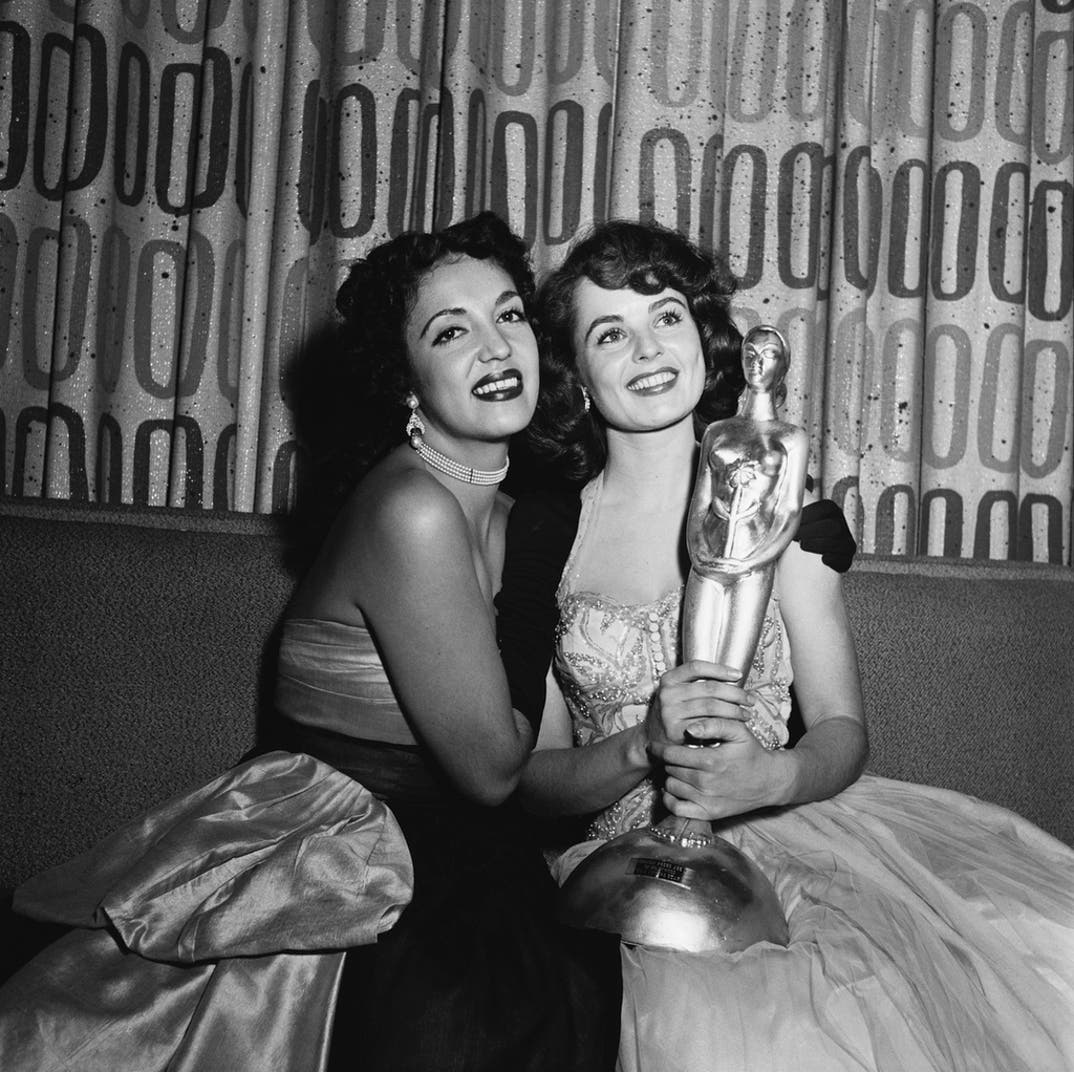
<point>734,509</point>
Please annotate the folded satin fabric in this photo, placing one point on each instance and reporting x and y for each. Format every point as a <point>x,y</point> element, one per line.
<point>209,932</point>
<point>331,677</point>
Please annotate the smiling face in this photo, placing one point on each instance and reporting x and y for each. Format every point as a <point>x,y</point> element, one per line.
<point>472,353</point>
<point>640,355</point>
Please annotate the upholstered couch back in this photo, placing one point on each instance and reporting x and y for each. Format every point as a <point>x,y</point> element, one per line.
<point>137,646</point>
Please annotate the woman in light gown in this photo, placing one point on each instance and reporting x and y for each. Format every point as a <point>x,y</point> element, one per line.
<point>929,932</point>
<point>389,677</point>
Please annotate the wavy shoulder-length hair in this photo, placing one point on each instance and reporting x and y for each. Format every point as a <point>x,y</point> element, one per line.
<point>647,258</point>
<point>378,295</point>
<point>348,390</point>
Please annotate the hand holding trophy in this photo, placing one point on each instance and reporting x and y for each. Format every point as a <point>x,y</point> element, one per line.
<point>676,884</point>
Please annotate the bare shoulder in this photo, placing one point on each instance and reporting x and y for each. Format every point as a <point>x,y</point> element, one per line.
<point>398,515</point>
<point>410,494</point>
<point>398,525</point>
<point>403,511</point>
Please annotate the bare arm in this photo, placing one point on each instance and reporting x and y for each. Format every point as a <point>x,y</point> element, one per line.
<point>416,585</point>
<point>560,779</point>
<point>833,751</point>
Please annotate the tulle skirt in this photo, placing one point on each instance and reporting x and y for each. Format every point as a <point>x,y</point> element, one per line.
<point>929,932</point>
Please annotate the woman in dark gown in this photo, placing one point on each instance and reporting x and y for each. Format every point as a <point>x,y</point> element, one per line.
<point>389,671</point>
<point>211,932</point>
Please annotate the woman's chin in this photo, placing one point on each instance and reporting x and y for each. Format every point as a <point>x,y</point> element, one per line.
<point>657,418</point>
<point>505,419</point>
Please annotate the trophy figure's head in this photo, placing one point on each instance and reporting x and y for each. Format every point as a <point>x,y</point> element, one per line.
<point>766,357</point>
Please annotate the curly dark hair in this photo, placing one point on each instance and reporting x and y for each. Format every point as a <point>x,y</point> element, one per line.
<point>377,296</point>
<point>646,258</point>
<point>348,389</point>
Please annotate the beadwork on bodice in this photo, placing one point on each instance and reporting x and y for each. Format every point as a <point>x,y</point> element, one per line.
<point>610,656</point>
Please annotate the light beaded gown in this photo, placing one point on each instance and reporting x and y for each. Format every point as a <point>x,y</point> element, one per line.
<point>928,930</point>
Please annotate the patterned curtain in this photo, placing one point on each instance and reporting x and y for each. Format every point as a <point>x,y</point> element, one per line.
<point>183,183</point>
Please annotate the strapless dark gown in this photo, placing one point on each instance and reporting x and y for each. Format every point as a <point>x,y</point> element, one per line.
<point>476,976</point>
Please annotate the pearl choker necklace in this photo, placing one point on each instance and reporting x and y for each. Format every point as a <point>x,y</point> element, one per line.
<point>435,460</point>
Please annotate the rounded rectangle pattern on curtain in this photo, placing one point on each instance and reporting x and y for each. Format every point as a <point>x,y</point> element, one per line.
<point>183,184</point>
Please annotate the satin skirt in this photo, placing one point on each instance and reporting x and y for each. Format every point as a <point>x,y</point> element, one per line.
<point>929,932</point>
<point>208,934</point>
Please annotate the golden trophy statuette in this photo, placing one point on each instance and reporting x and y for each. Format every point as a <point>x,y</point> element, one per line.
<point>676,884</point>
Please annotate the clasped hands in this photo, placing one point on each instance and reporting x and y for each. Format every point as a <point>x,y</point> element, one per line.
<point>733,773</point>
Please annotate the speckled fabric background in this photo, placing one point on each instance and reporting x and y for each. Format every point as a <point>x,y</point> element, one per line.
<point>182,184</point>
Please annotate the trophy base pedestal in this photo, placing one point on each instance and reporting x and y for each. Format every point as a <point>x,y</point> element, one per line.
<point>674,886</point>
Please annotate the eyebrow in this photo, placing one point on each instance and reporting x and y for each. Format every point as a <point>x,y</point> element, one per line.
<point>614,318</point>
<point>456,310</point>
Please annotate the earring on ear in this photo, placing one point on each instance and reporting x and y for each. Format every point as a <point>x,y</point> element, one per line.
<point>415,428</point>
<point>585,397</point>
<point>415,431</point>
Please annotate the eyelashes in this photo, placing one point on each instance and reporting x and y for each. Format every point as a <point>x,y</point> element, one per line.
<point>447,335</point>
<point>667,318</point>
<point>513,314</point>
<point>610,335</point>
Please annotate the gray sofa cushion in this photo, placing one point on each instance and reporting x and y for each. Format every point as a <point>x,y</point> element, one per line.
<point>137,648</point>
